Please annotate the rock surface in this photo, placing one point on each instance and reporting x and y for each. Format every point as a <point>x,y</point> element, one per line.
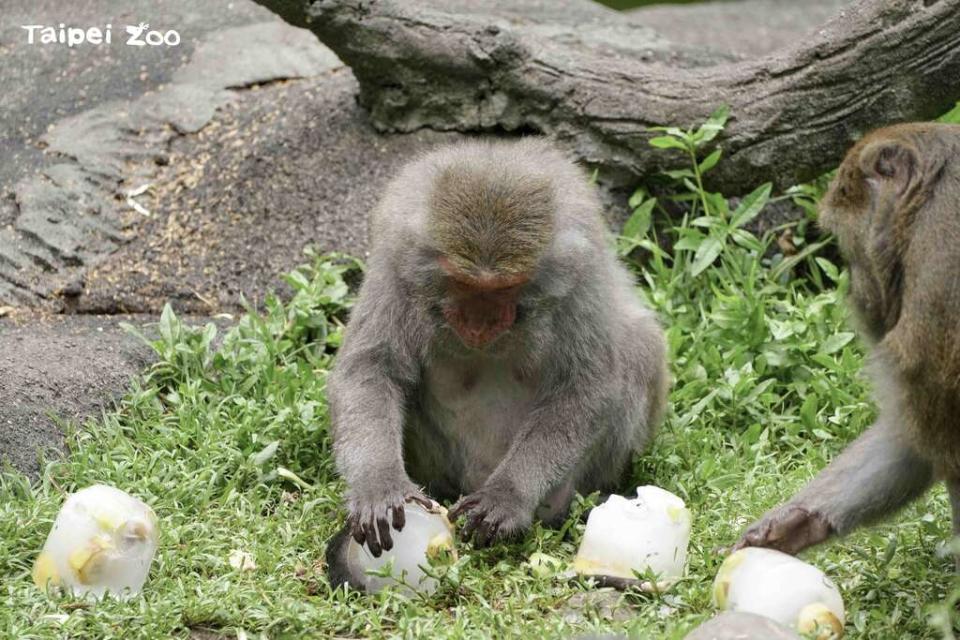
<point>72,151</point>
<point>279,169</point>
<point>80,201</point>
<point>741,29</point>
<point>741,626</point>
<point>57,369</point>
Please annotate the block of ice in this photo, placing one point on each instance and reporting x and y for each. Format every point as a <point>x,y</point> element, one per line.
<point>426,534</point>
<point>780,587</point>
<point>649,533</point>
<point>102,540</point>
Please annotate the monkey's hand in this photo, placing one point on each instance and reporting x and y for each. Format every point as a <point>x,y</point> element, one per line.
<point>372,511</point>
<point>790,528</point>
<point>492,513</point>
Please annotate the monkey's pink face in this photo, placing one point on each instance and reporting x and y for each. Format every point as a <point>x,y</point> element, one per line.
<point>480,309</point>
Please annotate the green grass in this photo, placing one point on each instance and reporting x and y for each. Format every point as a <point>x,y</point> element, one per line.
<point>228,441</point>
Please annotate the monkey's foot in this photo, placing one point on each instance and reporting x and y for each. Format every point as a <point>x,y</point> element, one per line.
<point>370,519</point>
<point>491,515</point>
<point>790,528</point>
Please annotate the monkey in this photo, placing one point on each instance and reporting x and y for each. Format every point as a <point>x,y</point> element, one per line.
<point>497,354</point>
<point>894,207</point>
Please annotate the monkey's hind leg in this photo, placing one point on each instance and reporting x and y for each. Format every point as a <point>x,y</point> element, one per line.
<point>339,572</point>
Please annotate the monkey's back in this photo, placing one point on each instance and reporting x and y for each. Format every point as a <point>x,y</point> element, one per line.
<point>918,360</point>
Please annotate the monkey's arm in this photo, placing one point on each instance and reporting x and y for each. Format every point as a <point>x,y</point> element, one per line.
<point>876,475</point>
<point>366,396</point>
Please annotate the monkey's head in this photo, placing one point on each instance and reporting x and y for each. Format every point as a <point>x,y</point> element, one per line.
<point>489,227</point>
<point>885,182</point>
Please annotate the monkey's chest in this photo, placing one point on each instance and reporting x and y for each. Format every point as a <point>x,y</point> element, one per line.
<point>477,408</point>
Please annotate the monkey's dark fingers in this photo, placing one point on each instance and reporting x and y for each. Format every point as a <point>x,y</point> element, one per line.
<point>486,533</point>
<point>753,537</point>
<point>370,532</point>
<point>480,529</point>
<point>399,517</point>
<point>464,505</point>
<point>356,529</point>
<point>470,525</point>
<point>426,503</point>
<point>790,529</point>
<point>383,527</point>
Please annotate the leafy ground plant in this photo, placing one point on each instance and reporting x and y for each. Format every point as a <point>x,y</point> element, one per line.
<point>227,438</point>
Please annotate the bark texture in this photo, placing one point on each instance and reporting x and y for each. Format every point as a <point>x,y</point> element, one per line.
<point>598,80</point>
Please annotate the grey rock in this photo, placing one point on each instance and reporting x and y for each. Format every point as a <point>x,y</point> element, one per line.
<point>740,29</point>
<point>605,604</point>
<point>57,369</point>
<point>72,212</point>
<point>741,626</point>
<point>255,54</point>
<point>279,169</point>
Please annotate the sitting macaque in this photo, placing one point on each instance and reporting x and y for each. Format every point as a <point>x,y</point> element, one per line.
<point>497,351</point>
<point>895,209</point>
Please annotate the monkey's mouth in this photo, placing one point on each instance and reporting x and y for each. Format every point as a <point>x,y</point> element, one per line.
<point>478,331</point>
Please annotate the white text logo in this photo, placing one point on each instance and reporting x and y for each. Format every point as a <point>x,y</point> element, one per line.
<point>140,35</point>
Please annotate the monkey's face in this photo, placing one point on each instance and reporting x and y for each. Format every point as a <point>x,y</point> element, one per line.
<point>479,307</point>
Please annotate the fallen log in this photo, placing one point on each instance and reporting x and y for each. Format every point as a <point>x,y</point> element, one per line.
<point>599,81</point>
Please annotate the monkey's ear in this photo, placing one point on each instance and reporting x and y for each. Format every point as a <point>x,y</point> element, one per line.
<point>889,162</point>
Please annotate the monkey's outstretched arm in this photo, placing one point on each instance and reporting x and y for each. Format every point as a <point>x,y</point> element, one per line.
<point>876,475</point>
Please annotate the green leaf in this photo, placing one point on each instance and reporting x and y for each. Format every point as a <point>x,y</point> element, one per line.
<point>678,174</point>
<point>637,198</point>
<point>828,268</point>
<point>751,205</point>
<point>952,116</point>
<point>710,161</point>
<point>714,124</point>
<point>704,221</point>
<point>706,253</point>
<point>836,342</point>
<point>638,223</point>
<point>747,240</point>
<point>667,142</point>
<point>168,324</point>
<point>676,132</point>
<point>259,459</point>
<point>718,205</point>
<point>808,412</point>
<point>691,239</point>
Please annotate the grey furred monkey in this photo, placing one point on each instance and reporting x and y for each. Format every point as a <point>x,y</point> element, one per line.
<point>895,208</point>
<point>497,350</point>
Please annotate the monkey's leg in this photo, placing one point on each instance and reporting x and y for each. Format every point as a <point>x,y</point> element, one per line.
<point>338,571</point>
<point>545,456</point>
<point>873,477</point>
<point>554,508</point>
